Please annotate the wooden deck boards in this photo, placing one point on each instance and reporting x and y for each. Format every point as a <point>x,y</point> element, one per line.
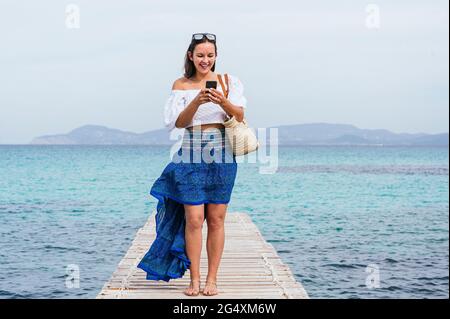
<point>250,268</point>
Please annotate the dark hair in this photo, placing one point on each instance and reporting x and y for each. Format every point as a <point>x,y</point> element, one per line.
<point>189,67</point>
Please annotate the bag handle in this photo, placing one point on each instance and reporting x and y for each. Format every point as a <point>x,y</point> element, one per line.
<point>228,117</point>
<point>222,85</point>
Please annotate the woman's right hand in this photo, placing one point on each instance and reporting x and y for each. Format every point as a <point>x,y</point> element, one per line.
<point>202,97</point>
<point>185,117</point>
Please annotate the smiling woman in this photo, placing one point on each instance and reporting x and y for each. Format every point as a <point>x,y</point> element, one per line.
<point>191,191</point>
<point>200,58</point>
<point>208,107</point>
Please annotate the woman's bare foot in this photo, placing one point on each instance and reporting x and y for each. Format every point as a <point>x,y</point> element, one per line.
<point>210,288</point>
<point>194,288</point>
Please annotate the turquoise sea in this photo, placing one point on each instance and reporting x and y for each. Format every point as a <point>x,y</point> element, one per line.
<point>330,212</point>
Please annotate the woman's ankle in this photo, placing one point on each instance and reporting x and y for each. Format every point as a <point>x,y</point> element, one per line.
<point>196,277</point>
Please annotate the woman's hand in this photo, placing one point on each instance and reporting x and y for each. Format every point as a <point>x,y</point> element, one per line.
<point>202,97</point>
<point>216,97</point>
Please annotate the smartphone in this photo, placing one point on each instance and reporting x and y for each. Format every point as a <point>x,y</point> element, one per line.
<point>211,84</point>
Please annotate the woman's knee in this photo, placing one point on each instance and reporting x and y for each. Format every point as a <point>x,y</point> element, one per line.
<point>216,215</point>
<point>194,216</point>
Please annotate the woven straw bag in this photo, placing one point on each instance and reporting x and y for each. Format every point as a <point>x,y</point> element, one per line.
<point>241,137</point>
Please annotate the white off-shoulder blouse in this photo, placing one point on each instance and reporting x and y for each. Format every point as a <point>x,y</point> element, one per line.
<point>207,112</point>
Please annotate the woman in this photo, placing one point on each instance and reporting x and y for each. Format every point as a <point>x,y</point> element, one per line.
<point>190,190</point>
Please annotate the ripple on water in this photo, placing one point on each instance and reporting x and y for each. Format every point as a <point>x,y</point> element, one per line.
<point>330,212</point>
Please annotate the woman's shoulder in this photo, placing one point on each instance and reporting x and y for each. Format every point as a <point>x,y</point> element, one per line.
<point>179,84</point>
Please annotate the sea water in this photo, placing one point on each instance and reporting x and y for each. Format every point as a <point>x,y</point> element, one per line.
<point>349,221</point>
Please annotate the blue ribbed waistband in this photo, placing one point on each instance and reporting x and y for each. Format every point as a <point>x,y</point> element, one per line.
<point>210,136</point>
<point>204,146</point>
<point>209,131</point>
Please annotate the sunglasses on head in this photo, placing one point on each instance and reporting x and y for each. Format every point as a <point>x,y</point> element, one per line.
<point>200,36</point>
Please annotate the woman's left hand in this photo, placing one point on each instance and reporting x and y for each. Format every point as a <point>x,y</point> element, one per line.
<point>217,97</point>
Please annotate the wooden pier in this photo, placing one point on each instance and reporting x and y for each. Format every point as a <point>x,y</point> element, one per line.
<point>249,269</point>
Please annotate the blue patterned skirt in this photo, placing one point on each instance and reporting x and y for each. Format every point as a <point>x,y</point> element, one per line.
<point>202,171</point>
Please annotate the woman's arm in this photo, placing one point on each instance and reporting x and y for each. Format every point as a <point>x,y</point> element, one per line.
<point>235,104</point>
<point>187,114</point>
<point>233,110</point>
<point>185,117</point>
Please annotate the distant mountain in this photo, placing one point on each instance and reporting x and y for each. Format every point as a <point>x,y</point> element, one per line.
<point>102,135</point>
<point>345,134</point>
<point>300,134</point>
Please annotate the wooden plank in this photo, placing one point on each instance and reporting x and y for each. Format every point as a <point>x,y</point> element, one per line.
<point>250,268</point>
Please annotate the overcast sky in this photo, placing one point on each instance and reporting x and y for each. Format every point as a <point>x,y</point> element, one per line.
<point>299,61</point>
